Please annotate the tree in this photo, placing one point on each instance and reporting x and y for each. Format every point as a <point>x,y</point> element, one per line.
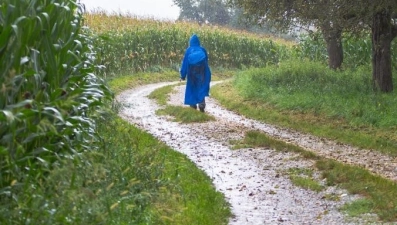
<point>189,10</point>
<point>384,30</point>
<point>381,18</point>
<point>285,14</point>
<point>333,17</point>
<point>209,11</point>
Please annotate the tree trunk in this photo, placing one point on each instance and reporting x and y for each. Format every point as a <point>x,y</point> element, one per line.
<point>333,39</point>
<point>382,36</point>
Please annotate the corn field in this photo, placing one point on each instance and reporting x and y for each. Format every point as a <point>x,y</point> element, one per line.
<point>129,45</point>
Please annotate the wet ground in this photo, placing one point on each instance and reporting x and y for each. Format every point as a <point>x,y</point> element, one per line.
<point>254,181</point>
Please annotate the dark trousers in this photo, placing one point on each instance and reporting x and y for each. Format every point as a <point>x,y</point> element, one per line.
<point>201,105</point>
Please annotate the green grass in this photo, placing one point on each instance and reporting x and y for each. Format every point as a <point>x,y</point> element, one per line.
<point>379,192</point>
<point>179,113</point>
<point>193,199</point>
<point>303,177</point>
<point>185,114</point>
<point>161,94</point>
<point>358,207</point>
<point>256,139</point>
<point>312,99</point>
<point>124,82</point>
<point>307,183</point>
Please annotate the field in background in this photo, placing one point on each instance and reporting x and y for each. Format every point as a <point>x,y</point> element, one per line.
<point>128,45</point>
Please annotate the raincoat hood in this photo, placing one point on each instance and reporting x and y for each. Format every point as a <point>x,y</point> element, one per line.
<point>194,41</point>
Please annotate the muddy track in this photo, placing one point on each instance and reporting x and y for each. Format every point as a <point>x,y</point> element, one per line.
<point>254,181</point>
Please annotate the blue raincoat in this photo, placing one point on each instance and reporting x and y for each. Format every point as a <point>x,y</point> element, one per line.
<point>195,91</point>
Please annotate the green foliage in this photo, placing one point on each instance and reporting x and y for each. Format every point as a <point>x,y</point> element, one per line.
<point>309,97</point>
<point>195,200</point>
<point>95,188</point>
<point>119,184</point>
<point>311,46</point>
<point>215,12</point>
<point>357,50</point>
<point>50,94</point>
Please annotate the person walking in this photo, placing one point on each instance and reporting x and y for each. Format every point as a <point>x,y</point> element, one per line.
<point>195,67</point>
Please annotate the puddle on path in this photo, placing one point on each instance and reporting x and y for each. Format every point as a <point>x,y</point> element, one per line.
<point>251,180</point>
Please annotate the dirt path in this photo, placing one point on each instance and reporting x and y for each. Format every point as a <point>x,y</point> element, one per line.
<point>253,180</point>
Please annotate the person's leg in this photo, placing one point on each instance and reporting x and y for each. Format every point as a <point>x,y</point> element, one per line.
<point>202,105</point>
<point>193,106</point>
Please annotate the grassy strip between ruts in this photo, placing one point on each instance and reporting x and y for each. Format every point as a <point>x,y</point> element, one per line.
<point>378,191</point>
<point>180,114</point>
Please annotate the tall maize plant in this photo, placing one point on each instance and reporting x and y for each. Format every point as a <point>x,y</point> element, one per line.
<point>49,91</point>
<point>130,45</point>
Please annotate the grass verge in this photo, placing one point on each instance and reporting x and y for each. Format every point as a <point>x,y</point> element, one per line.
<point>318,124</point>
<point>121,83</point>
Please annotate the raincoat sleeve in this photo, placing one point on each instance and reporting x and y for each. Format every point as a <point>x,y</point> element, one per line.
<point>184,66</point>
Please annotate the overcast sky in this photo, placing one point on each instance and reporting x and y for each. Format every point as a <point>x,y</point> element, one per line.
<point>159,9</point>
